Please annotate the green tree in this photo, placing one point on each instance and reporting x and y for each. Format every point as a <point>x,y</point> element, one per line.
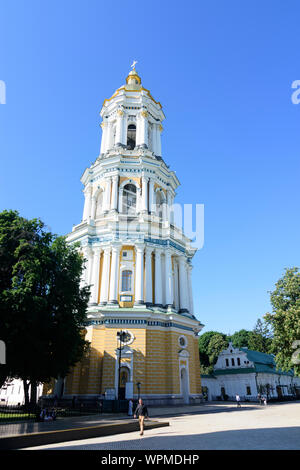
<point>285,319</point>
<point>210,345</point>
<point>240,339</point>
<point>261,338</point>
<point>216,345</point>
<point>42,304</point>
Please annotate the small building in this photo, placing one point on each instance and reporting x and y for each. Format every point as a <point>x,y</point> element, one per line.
<point>248,373</point>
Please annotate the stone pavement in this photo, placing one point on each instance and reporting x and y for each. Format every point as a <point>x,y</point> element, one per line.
<point>209,427</point>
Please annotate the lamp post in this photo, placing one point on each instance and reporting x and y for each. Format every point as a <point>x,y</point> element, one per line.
<point>121,335</point>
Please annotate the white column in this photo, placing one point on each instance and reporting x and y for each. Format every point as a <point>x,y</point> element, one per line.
<point>110,136</point>
<point>158,142</point>
<point>151,197</point>
<point>176,284</point>
<point>169,278</point>
<point>148,275</point>
<point>120,200</point>
<point>144,129</point>
<point>190,290</point>
<point>183,285</point>
<point>139,275</point>
<point>119,127</point>
<point>104,137</point>
<point>124,131</point>
<point>87,203</point>
<point>114,275</point>
<point>93,208</point>
<point>95,275</point>
<point>114,202</point>
<point>107,194</point>
<point>158,280</point>
<point>138,200</point>
<point>144,194</point>
<point>154,143</point>
<point>105,276</point>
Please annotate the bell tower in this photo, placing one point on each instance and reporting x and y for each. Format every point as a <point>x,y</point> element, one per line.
<point>138,262</point>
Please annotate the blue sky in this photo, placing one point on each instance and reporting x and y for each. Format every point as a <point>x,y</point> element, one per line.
<point>223,72</point>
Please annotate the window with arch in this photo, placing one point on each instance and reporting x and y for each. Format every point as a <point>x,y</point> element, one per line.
<point>131,136</point>
<point>160,201</point>
<point>129,199</point>
<point>99,206</point>
<point>126,280</point>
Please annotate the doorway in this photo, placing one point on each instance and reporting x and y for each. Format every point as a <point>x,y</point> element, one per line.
<point>124,378</point>
<point>184,385</point>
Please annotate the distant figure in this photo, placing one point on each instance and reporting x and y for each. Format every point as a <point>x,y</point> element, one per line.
<point>130,407</point>
<point>100,404</point>
<point>141,412</point>
<point>238,401</point>
<point>259,398</point>
<point>265,400</point>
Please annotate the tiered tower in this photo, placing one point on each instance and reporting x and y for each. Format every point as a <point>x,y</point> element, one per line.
<point>138,263</point>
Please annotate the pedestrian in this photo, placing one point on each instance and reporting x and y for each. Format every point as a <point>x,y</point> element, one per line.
<point>238,400</point>
<point>259,398</point>
<point>141,412</point>
<point>130,407</point>
<point>265,401</point>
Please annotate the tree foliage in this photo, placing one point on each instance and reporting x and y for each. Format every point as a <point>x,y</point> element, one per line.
<point>240,339</point>
<point>260,338</point>
<point>285,319</point>
<point>211,344</point>
<point>42,304</point>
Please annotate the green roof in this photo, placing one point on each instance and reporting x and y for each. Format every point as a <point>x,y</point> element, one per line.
<point>264,362</point>
<point>242,370</point>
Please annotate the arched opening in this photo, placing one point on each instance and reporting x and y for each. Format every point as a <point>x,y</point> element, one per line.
<point>129,199</point>
<point>99,205</point>
<point>124,378</point>
<point>131,136</point>
<point>160,201</point>
<point>126,280</point>
<point>184,385</point>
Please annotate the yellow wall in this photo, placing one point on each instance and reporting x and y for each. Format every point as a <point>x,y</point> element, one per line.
<point>155,362</point>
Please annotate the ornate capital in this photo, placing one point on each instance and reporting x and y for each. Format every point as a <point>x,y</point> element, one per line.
<point>120,112</point>
<point>144,113</point>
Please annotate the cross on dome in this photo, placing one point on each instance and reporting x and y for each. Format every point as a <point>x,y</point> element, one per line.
<point>133,64</point>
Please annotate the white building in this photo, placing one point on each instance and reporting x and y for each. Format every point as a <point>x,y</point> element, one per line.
<point>248,373</point>
<point>12,392</point>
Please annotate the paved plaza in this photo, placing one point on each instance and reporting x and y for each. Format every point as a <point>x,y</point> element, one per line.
<point>275,426</point>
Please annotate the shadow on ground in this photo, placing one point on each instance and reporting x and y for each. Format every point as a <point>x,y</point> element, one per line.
<point>245,439</point>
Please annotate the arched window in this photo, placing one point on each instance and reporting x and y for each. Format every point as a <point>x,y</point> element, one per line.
<point>131,137</point>
<point>160,201</point>
<point>126,280</point>
<point>99,206</point>
<point>129,199</point>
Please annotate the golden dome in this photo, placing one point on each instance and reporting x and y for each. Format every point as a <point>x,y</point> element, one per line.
<point>133,78</point>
